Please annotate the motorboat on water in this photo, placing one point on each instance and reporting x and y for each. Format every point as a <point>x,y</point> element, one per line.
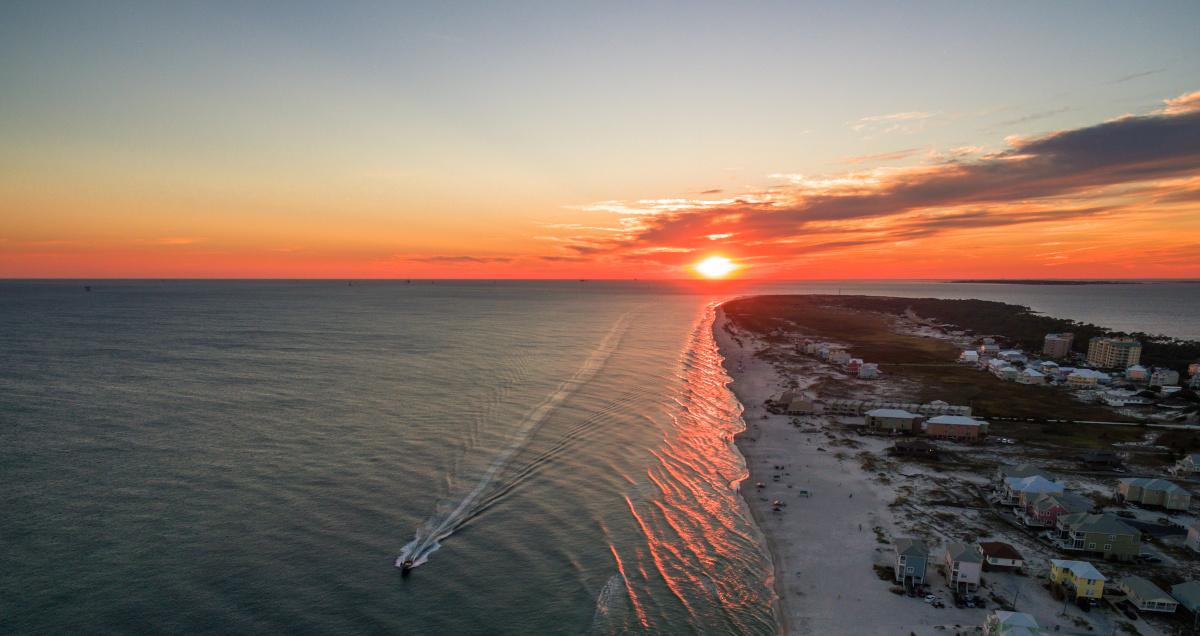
<point>406,566</point>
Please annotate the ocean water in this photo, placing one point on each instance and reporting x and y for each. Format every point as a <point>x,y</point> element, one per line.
<point>253,457</point>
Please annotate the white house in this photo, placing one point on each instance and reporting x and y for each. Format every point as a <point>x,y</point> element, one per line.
<point>1193,537</point>
<point>1013,355</point>
<point>1029,376</point>
<point>1002,623</point>
<point>989,347</point>
<point>869,371</point>
<point>996,365</point>
<point>1164,377</point>
<point>963,566</point>
<point>969,357</point>
<point>839,356</point>
<point>1147,596</point>
<point>1002,556</point>
<point>1189,465</point>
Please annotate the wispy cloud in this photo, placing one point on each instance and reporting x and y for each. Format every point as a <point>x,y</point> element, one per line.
<point>903,123</point>
<point>1035,116</point>
<point>459,259</point>
<point>883,156</point>
<point>1133,76</point>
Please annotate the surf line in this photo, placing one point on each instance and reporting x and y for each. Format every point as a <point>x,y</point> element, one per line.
<point>439,526</point>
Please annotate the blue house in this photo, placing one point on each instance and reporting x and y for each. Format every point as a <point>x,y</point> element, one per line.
<point>912,555</point>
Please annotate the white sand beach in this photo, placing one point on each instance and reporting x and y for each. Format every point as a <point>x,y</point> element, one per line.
<point>824,546</point>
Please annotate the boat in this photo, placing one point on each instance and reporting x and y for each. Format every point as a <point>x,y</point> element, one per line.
<point>406,567</point>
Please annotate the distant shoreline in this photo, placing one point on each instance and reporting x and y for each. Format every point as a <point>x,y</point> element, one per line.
<point>1041,281</point>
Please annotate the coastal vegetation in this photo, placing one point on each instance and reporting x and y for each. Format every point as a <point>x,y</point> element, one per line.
<point>1018,325</point>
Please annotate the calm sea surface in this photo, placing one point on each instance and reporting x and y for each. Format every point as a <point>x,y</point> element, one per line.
<point>252,457</point>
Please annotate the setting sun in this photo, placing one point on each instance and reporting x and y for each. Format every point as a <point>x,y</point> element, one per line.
<point>715,267</point>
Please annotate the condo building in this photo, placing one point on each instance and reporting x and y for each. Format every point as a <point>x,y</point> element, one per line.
<point>1113,353</point>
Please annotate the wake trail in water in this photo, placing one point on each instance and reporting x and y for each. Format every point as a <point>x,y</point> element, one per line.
<point>441,525</point>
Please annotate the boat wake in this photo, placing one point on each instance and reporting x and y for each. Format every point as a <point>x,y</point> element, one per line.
<point>450,516</point>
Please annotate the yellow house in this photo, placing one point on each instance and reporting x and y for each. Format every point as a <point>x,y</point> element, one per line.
<point>1080,576</point>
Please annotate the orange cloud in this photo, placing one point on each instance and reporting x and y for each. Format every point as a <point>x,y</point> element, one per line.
<point>1100,181</point>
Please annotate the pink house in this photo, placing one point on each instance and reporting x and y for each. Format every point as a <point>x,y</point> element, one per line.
<point>1045,509</point>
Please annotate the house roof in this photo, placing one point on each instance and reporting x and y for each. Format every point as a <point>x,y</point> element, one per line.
<point>1033,484</point>
<point>1015,619</point>
<point>911,547</point>
<point>999,550</point>
<point>1081,569</point>
<point>967,553</point>
<point>891,413</point>
<point>1187,593</point>
<point>959,420</point>
<point>1106,523</point>
<point>1148,483</point>
<point>1033,374</point>
<point>1144,589</point>
<point>1068,501</point>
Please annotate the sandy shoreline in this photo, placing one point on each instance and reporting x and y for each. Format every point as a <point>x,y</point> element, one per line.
<point>824,547</point>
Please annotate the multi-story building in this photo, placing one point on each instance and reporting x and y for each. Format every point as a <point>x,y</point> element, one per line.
<point>1164,377</point>
<point>1058,345</point>
<point>1080,577</point>
<point>1102,534</point>
<point>1149,491</point>
<point>911,557</point>
<point>963,565</point>
<point>1113,353</point>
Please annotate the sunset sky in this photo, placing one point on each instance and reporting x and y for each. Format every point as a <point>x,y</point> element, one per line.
<point>563,139</point>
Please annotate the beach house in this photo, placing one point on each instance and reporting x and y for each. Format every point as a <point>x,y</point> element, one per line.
<point>996,367</point>
<point>802,405</point>
<point>854,365</point>
<point>1002,623</point>
<point>1000,556</point>
<point>1019,492</point>
<point>1084,378</point>
<point>1029,376</point>
<point>1045,508</point>
<point>1153,492</point>
<point>1004,471</point>
<point>1013,356</point>
<point>912,556</point>
<point>957,427</point>
<point>1103,534</point>
<point>969,357</point>
<point>1147,596</point>
<point>1188,595</point>
<point>989,347</point>
<point>869,371</point>
<point>893,421</point>
<point>963,565</point>
<point>1078,577</point>
<point>839,356</point>
<point>1164,377</point>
